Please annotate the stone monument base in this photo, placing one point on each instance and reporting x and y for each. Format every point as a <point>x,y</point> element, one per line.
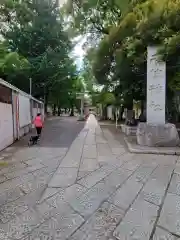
<point>164,135</point>
<point>129,130</point>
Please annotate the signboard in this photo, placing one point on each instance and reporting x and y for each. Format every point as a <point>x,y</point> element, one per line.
<point>156,87</point>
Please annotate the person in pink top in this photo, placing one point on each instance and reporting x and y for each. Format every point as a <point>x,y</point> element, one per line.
<point>38,123</point>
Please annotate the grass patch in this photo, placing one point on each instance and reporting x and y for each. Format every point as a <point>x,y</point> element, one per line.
<point>4,164</point>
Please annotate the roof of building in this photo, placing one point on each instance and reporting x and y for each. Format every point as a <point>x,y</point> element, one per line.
<point>6,84</point>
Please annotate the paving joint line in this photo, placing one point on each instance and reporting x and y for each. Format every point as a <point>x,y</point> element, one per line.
<point>96,148</point>
<point>89,217</point>
<point>57,168</point>
<point>174,234</point>
<point>160,207</point>
<point>111,193</point>
<point>89,172</point>
<point>143,184</point>
<point>84,140</point>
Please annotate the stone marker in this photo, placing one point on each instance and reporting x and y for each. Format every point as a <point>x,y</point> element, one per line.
<point>164,135</point>
<point>156,132</point>
<point>156,88</point>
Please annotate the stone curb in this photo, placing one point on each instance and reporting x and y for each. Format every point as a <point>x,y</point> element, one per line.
<point>148,150</point>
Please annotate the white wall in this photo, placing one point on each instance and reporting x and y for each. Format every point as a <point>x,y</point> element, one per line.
<point>41,110</point>
<point>14,123</point>
<point>6,125</point>
<point>15,106</point>
<point>24,111</point>
<point>35,111</point>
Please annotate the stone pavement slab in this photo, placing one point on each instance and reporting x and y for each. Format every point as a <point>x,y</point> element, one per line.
<point>49,192</point>
<point>23,224</point>
<point>94,177</point>
<point>132,165</point>
<point>64,177</point>
<point>156,186</point>
<point>118,151</point>
<point>82,184</point>
<point>60,226</point>
<point>82,174</point>
<point>125,195</point>
<point>175,184</point>
<point>72,159</point>
<point>143,173</point>
<point>66,196</point>
<point>88,202</point>
<point>170,215</point>
<point>100,140</point>
<point>88,164</point>
<point>11,209</point>
<point>4,235</point>
<point>89,151</point>
<point>138,222</point>
<point>101,224</point>
<point>161,234</point>
<point>103,149</point>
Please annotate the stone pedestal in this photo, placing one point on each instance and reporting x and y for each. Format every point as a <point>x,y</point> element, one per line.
<point>129,130</point>
<point>160,135</point>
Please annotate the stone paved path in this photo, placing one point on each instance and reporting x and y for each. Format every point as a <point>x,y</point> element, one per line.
<point>93,190</point>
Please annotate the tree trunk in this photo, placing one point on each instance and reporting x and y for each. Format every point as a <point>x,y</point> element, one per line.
<point>45,107</point>
<point>46,95</point>
<point>104,112</point>
<point>129,102</point>
<point>72,111</point>
<point>130,106</point>
<point>121,113</point>
<point>54,109</point>
<point>59,111</point>
<point>142,106</point>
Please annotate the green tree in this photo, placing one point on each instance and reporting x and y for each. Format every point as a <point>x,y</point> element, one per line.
<point>121,53</point>
<point>13,67</point>
<point>34,29</point>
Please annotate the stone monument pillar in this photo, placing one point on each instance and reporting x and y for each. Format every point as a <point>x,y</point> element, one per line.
<point>156,132</point>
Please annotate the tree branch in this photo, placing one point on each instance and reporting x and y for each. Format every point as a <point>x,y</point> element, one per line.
<point>99,28</point>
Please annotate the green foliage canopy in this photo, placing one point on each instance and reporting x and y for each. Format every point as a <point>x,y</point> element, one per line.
<point>35,45</point>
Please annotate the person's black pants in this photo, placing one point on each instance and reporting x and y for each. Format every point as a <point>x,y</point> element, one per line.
<point>39,129</point>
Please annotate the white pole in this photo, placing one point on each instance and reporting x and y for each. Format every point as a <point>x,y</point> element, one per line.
<point>30,86</point>
<point>82,107</point>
